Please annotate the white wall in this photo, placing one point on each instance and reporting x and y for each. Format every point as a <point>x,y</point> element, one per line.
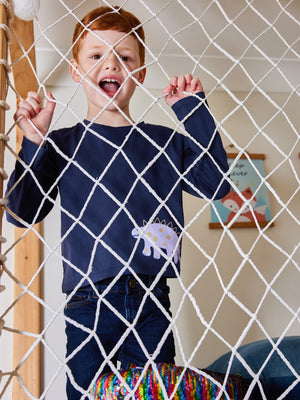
<point>273,249</point>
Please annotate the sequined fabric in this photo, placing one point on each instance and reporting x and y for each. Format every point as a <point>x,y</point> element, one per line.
<point>164,381</point>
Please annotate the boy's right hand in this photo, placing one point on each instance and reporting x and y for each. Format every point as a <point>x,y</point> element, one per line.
<point>30,110</point>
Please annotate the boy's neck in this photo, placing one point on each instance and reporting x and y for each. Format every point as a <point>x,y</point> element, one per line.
<point>111,118</point>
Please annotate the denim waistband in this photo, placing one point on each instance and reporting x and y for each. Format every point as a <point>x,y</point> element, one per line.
<point>132,281</point>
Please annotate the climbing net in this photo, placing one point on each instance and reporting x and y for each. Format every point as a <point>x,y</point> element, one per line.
<point>239,280</point>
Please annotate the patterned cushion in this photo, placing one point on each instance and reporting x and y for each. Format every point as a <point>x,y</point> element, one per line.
<point>188,384</point>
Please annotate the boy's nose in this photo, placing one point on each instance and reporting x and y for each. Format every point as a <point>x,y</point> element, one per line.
<point>111,62</point>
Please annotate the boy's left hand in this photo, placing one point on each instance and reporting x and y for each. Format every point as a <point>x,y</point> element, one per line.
<point>181,86</point>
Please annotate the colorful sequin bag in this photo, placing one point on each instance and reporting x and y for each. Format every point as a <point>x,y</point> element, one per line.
<point>178,384</point>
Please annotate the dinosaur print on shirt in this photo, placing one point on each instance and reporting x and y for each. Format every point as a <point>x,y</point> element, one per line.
<point>158,236</point>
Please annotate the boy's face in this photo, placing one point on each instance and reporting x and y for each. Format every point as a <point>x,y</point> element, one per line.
<point>107,61</point>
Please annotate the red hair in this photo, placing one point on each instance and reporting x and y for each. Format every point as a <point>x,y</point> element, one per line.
<point>106,18</point>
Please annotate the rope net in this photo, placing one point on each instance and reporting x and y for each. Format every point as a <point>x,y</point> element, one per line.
<point>236,286</point>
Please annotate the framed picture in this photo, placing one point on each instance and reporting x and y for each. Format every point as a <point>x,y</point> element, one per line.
<point>247,203</point>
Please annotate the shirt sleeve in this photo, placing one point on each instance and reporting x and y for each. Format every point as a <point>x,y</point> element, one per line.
<point>205,160</point>
<point>31,189</point>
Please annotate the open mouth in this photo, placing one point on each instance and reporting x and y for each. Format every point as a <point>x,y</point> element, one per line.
<point>110,86</point>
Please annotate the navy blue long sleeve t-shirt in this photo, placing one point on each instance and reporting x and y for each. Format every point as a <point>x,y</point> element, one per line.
<point>120,191</point>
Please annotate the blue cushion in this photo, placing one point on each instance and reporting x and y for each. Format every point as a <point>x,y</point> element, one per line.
<point>276,376</point>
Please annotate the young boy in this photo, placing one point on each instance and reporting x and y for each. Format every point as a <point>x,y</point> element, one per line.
<point>120,186</point>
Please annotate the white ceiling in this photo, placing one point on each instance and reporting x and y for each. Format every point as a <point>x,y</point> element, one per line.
<point>230,42</point>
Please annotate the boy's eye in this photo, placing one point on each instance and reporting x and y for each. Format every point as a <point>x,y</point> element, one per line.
<point>96,56</point>
<point>125,58</point>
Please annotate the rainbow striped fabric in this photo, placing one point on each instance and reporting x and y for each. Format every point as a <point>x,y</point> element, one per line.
<point>164,381</point>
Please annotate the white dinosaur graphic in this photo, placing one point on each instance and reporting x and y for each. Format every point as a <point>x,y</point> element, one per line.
<point>158,235</point>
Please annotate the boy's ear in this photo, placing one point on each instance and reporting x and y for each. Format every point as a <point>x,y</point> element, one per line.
<point>74,71</point>
<point>142,74</point>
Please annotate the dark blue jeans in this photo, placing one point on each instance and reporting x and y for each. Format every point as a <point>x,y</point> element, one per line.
<point>104,337</point>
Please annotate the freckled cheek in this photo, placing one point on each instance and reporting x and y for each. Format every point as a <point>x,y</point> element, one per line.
<point>130,87</point>
<point>90,87</point>
<point>90,76</point>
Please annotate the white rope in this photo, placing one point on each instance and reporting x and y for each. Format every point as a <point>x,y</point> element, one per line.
<point>226,286</point>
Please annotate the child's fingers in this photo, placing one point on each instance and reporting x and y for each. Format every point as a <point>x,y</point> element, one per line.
<point>24,110</point>
<point>174,81</point>
<point>190,83</point>
<point>181,86</point>
<point>33,95</point>
<point>186,82</point>
<point>29,107</point>
<point>196,85</point>
<point>33,99</point>
<point>50,105</point>
<point>36,119</point>
<point>181,83</point>
<point>168,89</point>
<point>171,89</point>
<point>188,79</point>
